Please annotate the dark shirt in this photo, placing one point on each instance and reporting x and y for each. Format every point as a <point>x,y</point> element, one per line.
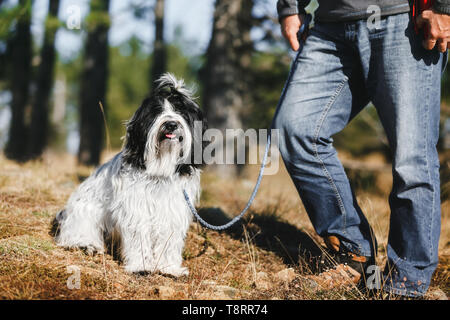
<point>344,10</point>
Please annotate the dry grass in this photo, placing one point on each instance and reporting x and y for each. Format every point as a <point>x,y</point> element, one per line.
<point>241,263</point>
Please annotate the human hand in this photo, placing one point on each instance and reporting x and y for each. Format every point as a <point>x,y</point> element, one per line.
<point>290,25</point>
<point>437,29</point>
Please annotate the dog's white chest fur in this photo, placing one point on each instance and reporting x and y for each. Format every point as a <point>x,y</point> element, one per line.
<point>152,201</point>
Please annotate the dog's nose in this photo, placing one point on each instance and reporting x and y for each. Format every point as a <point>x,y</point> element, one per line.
<point>171,125</point>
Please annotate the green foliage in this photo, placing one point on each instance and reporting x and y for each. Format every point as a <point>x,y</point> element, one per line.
<point>363,135</point>
<point>9,15</point>
<point>127,86</point>
<point>98,15</point>
<point>52,24</point>
<point>97,19</point>
<point>182,66</point>
<point>269,72</point>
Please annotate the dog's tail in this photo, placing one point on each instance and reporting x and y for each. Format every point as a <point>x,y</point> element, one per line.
<point>168,84</point>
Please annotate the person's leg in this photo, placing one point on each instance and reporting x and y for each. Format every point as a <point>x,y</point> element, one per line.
<point>404,83</point>
<point>323,92</point>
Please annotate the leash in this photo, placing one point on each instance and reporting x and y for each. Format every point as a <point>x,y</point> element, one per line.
<point>304,26</point>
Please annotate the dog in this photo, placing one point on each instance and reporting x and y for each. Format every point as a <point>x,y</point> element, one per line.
<point>136,199</point>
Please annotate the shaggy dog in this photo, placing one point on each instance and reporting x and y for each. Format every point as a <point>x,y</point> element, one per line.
<point>137,198</point>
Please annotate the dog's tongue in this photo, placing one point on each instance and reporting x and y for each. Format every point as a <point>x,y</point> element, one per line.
<point>170,135</point>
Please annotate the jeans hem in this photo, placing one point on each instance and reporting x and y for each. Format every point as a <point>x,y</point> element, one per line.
<point>356,249</point>
<point>403,292</point>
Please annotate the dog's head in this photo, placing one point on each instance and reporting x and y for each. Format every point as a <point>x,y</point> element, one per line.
<point>162,133</point>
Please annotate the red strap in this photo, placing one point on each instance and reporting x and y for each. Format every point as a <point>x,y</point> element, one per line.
<point>425,4</point>
<point>417,7</point>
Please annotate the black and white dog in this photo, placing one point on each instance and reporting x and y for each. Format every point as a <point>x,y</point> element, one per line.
<point>137,197</point>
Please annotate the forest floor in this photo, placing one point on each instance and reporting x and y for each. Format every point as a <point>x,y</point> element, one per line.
<point>265,257</point>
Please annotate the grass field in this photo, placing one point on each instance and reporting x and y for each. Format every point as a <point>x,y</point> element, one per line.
<point>265,257</point>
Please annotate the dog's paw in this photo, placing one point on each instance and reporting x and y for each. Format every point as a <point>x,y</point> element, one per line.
<point>138,269</point>
<point>91,250</point>
<point>171,271</point>
<point>176,271</point>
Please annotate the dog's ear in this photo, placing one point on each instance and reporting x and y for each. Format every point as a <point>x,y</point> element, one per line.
<point>136,135</point>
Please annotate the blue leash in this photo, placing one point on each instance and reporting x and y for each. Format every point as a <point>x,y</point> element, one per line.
<point>263,164</point>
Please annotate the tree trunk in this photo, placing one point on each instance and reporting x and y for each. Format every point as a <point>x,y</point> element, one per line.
<point>225,76</point>
<point>93,84</point>
<point>19,75</point>
<point>159,62</point>
<point>40,112</point>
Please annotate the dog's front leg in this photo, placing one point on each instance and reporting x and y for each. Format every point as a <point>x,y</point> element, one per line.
<point>168,254</point>
<point>136,249</point>
<point>148,251</point>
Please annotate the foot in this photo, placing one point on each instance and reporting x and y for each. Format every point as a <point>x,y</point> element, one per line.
<point>335,254</point>
<point>139,268</point>
<point>173,271</point>
<point>339,267</point>
<point>91,250</point>
<point>176,271</point>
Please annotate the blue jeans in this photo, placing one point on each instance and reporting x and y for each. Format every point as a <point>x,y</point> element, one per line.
<point>342,67</point>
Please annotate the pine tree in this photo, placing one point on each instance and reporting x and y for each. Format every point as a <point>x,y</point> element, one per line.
<point>93,84</point>
<point>40,113</point>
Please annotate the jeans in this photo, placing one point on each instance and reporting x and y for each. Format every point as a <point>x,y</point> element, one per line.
<point>342,67</point>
